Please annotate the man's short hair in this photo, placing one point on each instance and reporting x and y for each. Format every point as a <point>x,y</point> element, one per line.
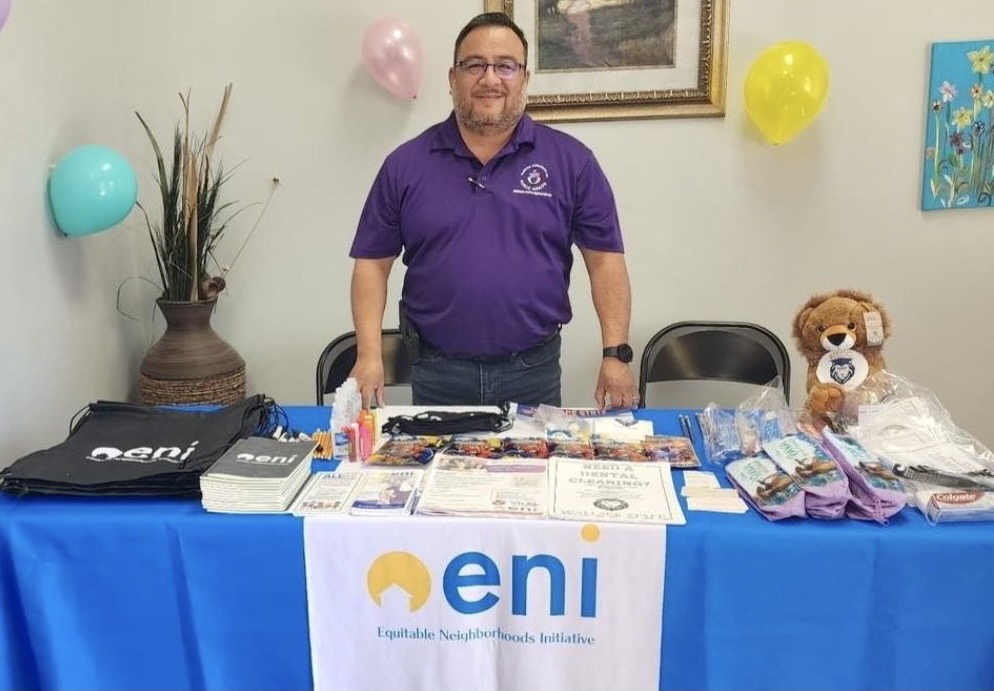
<point>490,19</point>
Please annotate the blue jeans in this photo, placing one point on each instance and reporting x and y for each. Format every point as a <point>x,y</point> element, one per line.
<point>531,377</point>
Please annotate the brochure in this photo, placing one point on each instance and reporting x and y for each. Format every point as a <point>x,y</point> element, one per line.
<point>326,492</point>
<point>385,492</point>
<point>493,487</point>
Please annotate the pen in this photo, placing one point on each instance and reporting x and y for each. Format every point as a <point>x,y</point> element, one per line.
<point>685,425</point>
<point>703,424</point>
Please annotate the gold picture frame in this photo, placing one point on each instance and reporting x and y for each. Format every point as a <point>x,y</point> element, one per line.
<point>682,71</point>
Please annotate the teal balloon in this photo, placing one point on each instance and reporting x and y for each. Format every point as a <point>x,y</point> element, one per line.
<point>92,188</point>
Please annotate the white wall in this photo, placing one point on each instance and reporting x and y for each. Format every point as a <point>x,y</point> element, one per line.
<point>63,342</point>
<point>718,224</point>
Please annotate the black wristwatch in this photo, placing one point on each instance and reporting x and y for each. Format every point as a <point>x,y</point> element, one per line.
<point>622,352</point>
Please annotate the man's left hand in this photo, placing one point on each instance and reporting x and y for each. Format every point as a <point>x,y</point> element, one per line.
<point>616,386</point>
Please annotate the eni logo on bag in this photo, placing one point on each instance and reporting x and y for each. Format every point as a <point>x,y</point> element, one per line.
<point>142,454</point>
<point>475,570</point>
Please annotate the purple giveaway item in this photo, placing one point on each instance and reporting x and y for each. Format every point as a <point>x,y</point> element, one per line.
<point>770,490</point>
<point>826,489</point>
<point>877,494</point>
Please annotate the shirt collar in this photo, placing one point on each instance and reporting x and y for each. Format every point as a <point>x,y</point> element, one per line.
<point>447,136</point>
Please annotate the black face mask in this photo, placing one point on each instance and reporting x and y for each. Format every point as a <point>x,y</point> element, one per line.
<point>432,422</point>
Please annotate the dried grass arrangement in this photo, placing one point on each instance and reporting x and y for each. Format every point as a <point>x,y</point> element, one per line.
<point>193,216</point>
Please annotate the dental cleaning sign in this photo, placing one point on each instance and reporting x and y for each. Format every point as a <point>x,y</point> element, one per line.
<point>483,605</point>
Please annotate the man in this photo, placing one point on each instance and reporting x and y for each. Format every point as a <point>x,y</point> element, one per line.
<point>485,207</point>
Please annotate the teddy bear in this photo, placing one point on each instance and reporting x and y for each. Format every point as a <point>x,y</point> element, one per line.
<point>841,335</point>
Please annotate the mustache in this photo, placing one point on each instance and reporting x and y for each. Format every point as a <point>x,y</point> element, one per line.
<point>489,92</point>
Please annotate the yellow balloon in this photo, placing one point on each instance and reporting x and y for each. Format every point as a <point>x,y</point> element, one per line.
<point>785,89</point>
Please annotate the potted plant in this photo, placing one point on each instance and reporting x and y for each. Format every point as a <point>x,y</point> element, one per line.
<point>190,363</point>
<point>190,224</point>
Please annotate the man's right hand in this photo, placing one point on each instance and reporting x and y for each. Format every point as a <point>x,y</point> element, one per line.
<point>368,373</point>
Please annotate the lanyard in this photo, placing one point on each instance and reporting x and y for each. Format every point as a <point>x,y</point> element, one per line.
<point>433,422</point>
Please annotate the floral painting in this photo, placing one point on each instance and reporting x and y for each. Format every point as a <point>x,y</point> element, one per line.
<point>959,143</point>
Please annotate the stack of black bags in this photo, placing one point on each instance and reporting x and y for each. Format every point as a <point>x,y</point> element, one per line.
<point>130,449</point>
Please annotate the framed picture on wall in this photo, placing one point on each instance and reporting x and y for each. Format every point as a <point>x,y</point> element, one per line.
<point>622,59</point>
<point>959,111</point>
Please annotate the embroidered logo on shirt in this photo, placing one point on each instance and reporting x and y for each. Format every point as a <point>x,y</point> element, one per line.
<point>534,180</point>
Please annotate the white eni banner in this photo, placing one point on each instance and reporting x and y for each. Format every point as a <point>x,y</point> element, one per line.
<point>483,605</point>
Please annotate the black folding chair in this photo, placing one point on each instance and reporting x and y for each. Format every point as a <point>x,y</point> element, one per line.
<point>339,357</point>
<point>718,351</point>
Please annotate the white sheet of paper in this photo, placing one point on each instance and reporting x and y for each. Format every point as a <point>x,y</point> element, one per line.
<point>720,505</point>
<point>613,491</point>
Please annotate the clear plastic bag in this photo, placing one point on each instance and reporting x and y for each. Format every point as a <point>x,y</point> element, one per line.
<point>763,417</point>
<point>572,423</point>
<point>722,442</point>
<point>908,428</point>
<point>730,435</point>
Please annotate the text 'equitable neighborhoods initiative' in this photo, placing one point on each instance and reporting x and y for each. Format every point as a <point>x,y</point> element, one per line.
<point>476,633</point>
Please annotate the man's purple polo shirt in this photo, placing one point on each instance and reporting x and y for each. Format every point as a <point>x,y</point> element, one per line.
<point>488,249</point>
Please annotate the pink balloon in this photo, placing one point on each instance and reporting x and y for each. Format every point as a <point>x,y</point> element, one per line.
<point>391,53</point>
<point>4,11</point>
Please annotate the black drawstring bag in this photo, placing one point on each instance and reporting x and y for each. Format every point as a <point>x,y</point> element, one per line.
<point>130,449</point>
<point>433,422</point>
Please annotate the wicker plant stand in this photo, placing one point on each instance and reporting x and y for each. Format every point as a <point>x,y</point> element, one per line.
<point>226,388</point>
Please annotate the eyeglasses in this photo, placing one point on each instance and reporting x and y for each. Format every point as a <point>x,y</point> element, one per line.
<point>505,69</point>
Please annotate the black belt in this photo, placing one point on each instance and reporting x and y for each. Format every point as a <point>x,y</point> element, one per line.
<point>499,358</point>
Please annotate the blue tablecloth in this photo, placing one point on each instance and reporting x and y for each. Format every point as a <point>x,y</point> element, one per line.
<point>146,594</point>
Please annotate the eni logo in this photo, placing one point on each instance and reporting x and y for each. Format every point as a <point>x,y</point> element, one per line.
<point>142,454</point>
<point>472,571</point>
<point>401,569</point>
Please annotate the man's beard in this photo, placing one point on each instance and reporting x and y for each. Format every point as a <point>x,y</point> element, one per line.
<point>480,123</point>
